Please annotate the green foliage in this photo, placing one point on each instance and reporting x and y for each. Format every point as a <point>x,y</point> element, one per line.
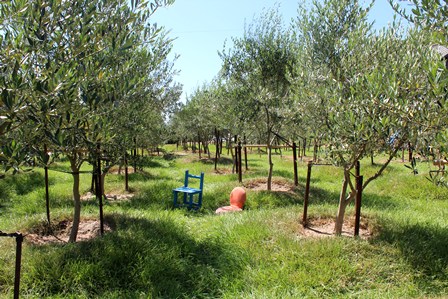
<point>259,69</point>
<point>413,166</point>
<point>424,13</point>
<point>69,67</point>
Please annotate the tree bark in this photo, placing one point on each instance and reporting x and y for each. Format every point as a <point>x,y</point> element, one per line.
<point>344,200</point>
<point>315,150</point>
<point>92,183</point>
<point>76,200</point>
<point>126,174</point>
<point>103,178</point>
<point>199,145</point>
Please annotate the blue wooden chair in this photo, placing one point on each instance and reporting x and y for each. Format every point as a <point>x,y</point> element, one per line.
<point>188,192</point>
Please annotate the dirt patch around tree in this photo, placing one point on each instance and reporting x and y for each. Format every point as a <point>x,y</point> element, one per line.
<point>112,196</point>
<point>277,185</point>
<point>59,233</point>
<point>223,171</point>
<point>324,228</point>
<point>116,170</point>
<point>119,196</point>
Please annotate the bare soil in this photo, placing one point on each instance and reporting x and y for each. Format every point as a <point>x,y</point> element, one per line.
<point>113,196</point>
<point>323,228</point>
<point>114,170</point>
<point>277,185</point>
<point>119,196</point>
<point>316,227</point>
<point>223,171</point>
<point>88,229</point>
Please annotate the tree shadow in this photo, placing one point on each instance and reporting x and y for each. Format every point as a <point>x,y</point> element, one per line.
<point>274,199</point>
<point>151,162</point>
<point>380,202</point>
<point>160,197</point>
<point>424,247</point>
<point>253,165</point>
<point>150,258</point>
<point>141,176</point>
<point>221,161</point>
<point>170,156</point>
<point>20,184</point>
<point>157,196</point>
<point>284,173</point>
<point>320,196</point>
<point>15,192</point>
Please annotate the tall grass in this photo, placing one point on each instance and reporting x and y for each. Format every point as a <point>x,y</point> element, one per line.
<point>155,251</point>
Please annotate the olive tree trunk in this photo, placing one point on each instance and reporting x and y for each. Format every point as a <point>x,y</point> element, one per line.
<point>76,199</point>
<point>344,201</point>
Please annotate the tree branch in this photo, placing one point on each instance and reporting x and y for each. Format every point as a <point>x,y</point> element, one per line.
<point>379,172</point>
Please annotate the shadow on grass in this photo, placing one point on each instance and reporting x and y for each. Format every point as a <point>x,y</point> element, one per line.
<point>20,184</point>
<point>140,175</point>
<point>380,202</point>
<point>221,161</point>
<point>141,258</point>
<point>321,196</point>
<point>59,167</point>
<point>273,199</point>
<point>158,196</point>
<point>284,173</point>
<point>424,247</point>
<point>151,162</point>
<point>253,165</point>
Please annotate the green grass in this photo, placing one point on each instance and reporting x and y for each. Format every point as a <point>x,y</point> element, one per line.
<point>155,251</point>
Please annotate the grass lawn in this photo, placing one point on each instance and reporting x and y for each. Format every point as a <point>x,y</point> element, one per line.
<point>155,251</point>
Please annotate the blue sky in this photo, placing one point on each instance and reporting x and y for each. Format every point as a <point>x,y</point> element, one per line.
<point>202,26</point>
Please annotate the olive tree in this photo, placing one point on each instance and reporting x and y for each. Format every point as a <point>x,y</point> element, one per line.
<point>262,63</point>
<point>369,88</point>
<point>431,17</point>
<point>63,57</point>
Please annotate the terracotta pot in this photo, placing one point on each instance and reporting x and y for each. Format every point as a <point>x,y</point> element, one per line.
<point>238,197</point>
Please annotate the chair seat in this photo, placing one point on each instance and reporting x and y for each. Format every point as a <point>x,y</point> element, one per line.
<point>188,190</point>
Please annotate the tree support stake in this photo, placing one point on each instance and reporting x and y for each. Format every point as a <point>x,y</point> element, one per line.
<point>294,156</point>
<point>19,242</point>
<point>99,191</point>
<point>359,181</point>
<point>307,194</point>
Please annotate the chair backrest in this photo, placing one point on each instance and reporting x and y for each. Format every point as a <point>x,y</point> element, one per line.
<point>199,177</point>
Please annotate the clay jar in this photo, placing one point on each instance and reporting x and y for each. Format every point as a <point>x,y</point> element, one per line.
<point>237,200</point>
<point>238,197</point>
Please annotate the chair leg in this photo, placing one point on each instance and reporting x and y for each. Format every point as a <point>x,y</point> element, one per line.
<point>188,200</point>
<point>199,200</point>
<point>190,204</point>
<point>175,199</point>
